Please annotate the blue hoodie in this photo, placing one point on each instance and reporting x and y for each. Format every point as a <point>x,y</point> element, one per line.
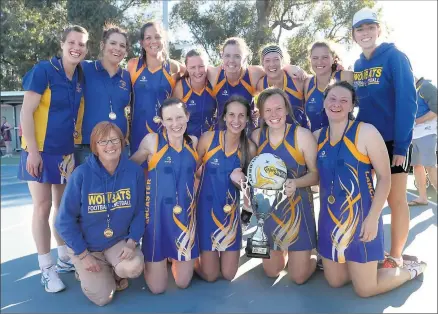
<point>82,216</point>
<point>385,88</point>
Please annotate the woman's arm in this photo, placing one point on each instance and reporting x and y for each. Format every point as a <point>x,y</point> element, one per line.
<point>308,147</point>
<point>146,148</point>
<point>178,90</point>
<point>375,148</point>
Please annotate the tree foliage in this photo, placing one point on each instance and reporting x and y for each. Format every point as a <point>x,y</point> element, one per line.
<point>264,21</point>
<point>31,30</point>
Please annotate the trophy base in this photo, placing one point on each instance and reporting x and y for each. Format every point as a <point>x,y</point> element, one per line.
<point>257,249</point>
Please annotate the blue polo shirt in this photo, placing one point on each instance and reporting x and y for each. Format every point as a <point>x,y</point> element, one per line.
<point>100,92</point>
<point>59,104</point>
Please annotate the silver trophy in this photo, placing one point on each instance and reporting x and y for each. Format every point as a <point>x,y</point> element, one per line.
<point>264,189</point>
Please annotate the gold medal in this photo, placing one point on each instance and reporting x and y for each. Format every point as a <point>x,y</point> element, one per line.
<point>108,233</point>
<point>177,209</point>
<point>112,115</point>
<point>157,119</point>
<point>227,208</point>
<point>127,111</point>
<point>331,199</point>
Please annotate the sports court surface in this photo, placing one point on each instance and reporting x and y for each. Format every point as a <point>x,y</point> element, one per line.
<point>250,292</point>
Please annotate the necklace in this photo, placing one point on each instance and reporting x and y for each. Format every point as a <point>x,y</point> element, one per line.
<point>177,209</point>
<point>227,207</point>
<point>157,118</point>
<point>112,115</point>
<point>331,198</point>
<point>72,104</point>
<point>108,232</point>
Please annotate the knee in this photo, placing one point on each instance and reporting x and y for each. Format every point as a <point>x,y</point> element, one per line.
<point>363,292</point>
<point>42,209</point>
<point>183,282</point>
<point>157,286</point>
<point>102,301</point>
<point>229,274</point>
<point>335,282</point>
<point>211,276</point>
<point>102,296</point>
<point>299,277</point>
<point>272,272</point>
<point>130,268</point>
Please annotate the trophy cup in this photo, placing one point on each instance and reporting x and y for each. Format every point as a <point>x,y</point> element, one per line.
<point>264,189</point>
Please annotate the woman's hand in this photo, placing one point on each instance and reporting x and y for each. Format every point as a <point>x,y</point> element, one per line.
<point>34,164</point>
<point>290,187</point>
<point>128,251</point>
<point>298,73</point>
<point>90,263</point>
<point>369,229</point>
<point>237,176</point>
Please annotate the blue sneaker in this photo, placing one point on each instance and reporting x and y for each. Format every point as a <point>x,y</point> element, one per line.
<point>64,266</point>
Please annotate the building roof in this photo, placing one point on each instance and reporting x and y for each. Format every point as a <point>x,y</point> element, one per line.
<point>13,98</point>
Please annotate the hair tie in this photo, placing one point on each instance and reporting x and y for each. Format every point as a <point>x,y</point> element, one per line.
<point>272,48</point>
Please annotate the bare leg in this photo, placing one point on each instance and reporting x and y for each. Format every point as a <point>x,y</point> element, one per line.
<point>183,272</point>
<point>431,171</point>
<point>275,264</point>
<point>301,266</point>
<point>57,191</point>
<point>42,202</point>
<point>229,264</point>
<point>399,213</point>
<point>207,266</point>
<point>155,274</point>
<point>420,179</point>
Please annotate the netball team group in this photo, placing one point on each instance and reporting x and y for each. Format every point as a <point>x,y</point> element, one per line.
<point>155,153</point>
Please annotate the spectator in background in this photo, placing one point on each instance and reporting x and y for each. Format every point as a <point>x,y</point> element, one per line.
<point>6,133</point>
<point>424,139</point>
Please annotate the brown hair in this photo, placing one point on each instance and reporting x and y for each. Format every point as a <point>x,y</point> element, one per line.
<point>171,102</point>
<point>101,130</point>
<point>243,140</point>
<point>348,87</point>
<point>78,29</point>
<point>328,45</point>
<point>268,92</point>
<point>110,29</point>
<point>191,53</point>
<point>238,42</point>
<point>164,41</point>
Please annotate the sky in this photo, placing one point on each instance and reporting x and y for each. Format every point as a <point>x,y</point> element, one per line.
<point>414,31</point>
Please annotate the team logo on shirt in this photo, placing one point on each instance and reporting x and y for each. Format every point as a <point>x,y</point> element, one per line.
<point>214,162</point>
<point>322,154</point>
<point>122,85</point>
<point>367,77</point>
<point>312,100</point>
<point>225,93</point>
<point>168,160</point>
<point>97,202</point>
<point>192,103</point>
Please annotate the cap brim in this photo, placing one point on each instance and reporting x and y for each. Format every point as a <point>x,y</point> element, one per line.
<point>366,21</point>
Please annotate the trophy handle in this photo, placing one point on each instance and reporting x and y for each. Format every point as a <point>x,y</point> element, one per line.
<point>244,185</point>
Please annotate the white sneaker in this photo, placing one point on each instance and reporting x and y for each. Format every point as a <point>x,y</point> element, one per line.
<point>64,266</point>
<point>50,280</point>
<point>415,268</point>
